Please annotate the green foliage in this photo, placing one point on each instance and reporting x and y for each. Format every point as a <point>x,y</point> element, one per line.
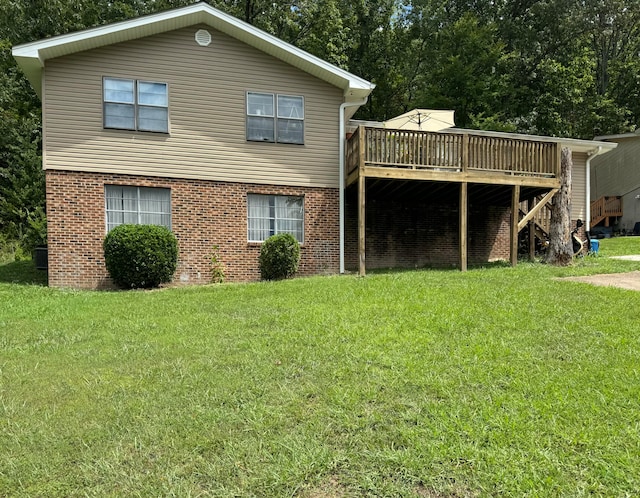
<point>36,233</point>
<point>140,256</point>
<point>279,257</point>
<point>217,266</point>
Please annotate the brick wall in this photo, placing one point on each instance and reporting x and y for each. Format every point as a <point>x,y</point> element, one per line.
<point>413,233</point>
<point>204,214</point>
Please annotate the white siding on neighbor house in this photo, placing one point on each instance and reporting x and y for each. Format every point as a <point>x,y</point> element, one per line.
<point>579,186</point>
<point>207,113</point>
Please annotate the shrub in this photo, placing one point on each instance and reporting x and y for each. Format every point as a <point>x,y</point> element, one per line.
<point>217,266</point>
<point>140,255</point>
<point>279,257</point>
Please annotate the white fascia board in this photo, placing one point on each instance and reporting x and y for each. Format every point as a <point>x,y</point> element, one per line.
<point>616,137</point>
<point>31,57</point>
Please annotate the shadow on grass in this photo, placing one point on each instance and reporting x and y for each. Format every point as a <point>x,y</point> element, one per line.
<point>22,272</point>
<point>471,266</point>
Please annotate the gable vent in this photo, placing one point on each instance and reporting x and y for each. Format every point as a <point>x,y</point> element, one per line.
<point>203,38</point>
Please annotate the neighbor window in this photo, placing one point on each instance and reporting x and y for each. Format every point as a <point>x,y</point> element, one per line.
<point>272,214</point>
<point>136,105</point>
<point>275,118</point>
<point>137,206</point>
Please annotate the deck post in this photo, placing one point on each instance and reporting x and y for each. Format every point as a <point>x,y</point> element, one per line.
<point>465,152</point>
<point>464,204</point>
<point>361,226</point>
<point>515,206</point>
<point>361,203</point>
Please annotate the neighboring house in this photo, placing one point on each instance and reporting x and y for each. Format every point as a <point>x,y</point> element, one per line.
<point>615,184</point>
<point>197,121</point>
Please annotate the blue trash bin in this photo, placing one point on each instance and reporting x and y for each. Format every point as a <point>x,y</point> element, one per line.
<point>595,245</point>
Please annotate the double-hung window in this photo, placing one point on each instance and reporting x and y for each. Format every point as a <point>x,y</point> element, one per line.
<point>275,118</point>
<point>135,105</point>
<point>272,214</point>
<point>137,206</point>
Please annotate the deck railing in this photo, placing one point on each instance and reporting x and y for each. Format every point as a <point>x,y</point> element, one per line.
<point>605,207</point>
<point>451,151</point>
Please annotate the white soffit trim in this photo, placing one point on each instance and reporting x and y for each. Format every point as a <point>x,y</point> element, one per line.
<point>31,57</point>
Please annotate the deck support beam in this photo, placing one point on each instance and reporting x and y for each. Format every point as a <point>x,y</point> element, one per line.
<point>464,208</point>
<point>533,210</point>
<point>361,227</point>
<point>532,232</point>
<point>515,214</point>
<point>361,204</point>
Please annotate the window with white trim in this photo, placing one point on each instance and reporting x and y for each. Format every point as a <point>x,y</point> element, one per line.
<point>275,118</point>
<point>137,206</point>
<point>269,215</point>
<point>135,105</point>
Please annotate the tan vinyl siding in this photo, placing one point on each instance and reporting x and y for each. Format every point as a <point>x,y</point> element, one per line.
<point>579,186</point>
<point>618,171</point>
<point>207,113</point>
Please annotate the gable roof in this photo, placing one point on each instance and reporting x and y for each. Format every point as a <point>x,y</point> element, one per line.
<point>31,57</point>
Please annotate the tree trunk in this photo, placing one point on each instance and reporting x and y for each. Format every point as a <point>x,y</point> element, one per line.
<point>560,252</point>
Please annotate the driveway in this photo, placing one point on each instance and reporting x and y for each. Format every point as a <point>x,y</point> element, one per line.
<point>630,280</point>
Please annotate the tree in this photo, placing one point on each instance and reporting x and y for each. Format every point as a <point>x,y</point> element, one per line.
<point>560,251</point>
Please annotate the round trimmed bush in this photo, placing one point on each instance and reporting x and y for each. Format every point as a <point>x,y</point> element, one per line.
<point>140,256</point>
<point>279,257</point>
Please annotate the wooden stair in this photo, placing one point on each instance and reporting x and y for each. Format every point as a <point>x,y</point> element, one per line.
<point>539,226</point>
<point>604,208</point>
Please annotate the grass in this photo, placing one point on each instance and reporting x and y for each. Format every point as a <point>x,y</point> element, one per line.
<point>496,382</point>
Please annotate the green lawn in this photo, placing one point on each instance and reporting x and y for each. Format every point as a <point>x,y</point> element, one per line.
<point>496,382</point>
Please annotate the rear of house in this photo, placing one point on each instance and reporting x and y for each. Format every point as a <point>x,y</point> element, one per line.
<point>196,130</point>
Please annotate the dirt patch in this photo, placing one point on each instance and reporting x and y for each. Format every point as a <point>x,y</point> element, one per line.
<point>630,281</point>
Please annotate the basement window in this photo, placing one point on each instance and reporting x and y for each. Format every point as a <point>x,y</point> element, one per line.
<point>137,206</point>
<point>273,214</point>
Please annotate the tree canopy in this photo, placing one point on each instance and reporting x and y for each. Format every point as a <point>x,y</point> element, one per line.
<point>550,67</point>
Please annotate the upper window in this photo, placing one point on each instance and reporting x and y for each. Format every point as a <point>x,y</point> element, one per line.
<point>137,206</point>
<point>136,105</point>
<point>272,214</point>
<point>275,118</point>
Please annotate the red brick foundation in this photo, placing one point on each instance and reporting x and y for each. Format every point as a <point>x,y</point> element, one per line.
<point>204,214</point>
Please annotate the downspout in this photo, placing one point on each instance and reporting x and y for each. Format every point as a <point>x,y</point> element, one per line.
<point>592,154</point>
<point>343,106</point>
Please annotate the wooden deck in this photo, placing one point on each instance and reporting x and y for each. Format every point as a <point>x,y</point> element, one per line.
<point>451,157</point>
<point>461,157</point>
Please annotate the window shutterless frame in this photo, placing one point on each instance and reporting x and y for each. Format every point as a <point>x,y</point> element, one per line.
<point>137,206</point>
<point>135,105</point>
<point>269,215</point>
<point>273,117</point>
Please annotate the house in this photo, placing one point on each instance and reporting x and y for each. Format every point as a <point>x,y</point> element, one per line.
<point>615,185</point>
<point>200,122</point>
<point>194,120</point>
